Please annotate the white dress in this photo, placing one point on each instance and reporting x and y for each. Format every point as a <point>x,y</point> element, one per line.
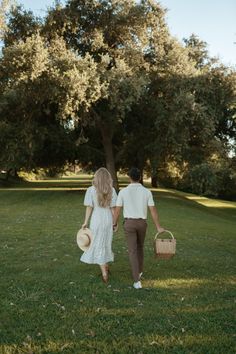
<point>101,225</point>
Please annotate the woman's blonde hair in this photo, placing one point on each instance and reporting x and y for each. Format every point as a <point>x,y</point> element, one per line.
<point>103,183</point>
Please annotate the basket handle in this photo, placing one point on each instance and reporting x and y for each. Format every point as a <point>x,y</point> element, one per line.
<point>163,232</point>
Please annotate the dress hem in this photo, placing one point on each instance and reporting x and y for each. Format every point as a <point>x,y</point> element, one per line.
<point>98,262</point>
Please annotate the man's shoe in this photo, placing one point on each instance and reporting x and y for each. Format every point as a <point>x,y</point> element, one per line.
<point>137,285</point>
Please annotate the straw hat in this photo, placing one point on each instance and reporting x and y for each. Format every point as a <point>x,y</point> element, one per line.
<point>84,238</point>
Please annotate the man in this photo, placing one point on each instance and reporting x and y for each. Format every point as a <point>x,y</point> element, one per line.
<point>135,200</point>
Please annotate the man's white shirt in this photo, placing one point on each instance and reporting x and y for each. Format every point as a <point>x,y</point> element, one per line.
<point>135,199</point>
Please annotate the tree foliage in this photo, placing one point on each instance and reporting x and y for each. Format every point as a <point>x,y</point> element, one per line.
<point>108,74</point>
<point>4,6</point>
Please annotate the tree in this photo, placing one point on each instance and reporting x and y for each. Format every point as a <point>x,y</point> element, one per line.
<point>194,108</point>
<point>41,85</point>
<point>112,70</point>
<point>168,107</point>
<point>122,33</point>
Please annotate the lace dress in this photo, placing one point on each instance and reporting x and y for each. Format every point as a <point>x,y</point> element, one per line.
<point>100,250</point>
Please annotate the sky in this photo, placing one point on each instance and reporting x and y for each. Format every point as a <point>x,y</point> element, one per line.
<point>214,21</point>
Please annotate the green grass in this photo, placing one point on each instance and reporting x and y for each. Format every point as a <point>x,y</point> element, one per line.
<point>50,302</point>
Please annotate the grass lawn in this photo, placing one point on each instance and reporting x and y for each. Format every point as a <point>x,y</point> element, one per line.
<point>50,302</point>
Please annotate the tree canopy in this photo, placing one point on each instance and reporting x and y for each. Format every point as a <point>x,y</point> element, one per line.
<point>104,82</point>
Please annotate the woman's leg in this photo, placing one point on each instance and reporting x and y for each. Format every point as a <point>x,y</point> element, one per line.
<point>104,270</point>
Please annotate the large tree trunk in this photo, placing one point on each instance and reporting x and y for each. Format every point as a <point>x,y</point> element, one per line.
<point>154,181</point>
<point>141,175</point>
<point>107,135</point>
<point>110,162</point>
<point>8,174</point>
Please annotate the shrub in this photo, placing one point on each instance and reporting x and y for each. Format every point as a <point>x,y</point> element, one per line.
<point>203,180</point>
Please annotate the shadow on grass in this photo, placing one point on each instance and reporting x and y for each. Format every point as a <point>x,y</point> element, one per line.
<point>215,207</point>
<point>83,181</point>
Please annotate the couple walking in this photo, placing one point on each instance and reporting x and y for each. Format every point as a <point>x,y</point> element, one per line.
<point>103,208</point>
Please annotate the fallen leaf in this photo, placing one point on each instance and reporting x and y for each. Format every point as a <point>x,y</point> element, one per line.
<point>91,334</point>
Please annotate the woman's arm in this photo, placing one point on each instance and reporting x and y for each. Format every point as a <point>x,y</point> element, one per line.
<point>114,216</point>
<point>113,211</point>
<point>88,213</point>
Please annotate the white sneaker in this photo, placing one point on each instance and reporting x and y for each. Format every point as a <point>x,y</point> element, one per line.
<point>137,285</point>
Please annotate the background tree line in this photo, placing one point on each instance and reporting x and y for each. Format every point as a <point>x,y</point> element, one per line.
<point>104,83</point>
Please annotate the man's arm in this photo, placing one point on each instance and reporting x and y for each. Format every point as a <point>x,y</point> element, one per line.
<point>155,218</point>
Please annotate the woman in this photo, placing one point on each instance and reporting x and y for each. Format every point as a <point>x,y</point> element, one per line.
<point>100,200</point>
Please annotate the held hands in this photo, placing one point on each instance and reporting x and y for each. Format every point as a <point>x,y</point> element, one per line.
<point>115,227</point>
<point>115,223</point>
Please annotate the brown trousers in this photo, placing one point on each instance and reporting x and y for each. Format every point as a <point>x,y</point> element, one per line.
<point>135,231</point>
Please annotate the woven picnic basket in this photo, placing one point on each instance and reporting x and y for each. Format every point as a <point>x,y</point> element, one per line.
<point>164,248</point>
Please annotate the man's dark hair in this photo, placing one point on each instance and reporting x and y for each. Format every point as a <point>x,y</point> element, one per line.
<point>134,174</point>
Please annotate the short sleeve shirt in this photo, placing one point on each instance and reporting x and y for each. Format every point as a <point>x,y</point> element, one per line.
<point>135,199</point>
<point>90,198</point>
